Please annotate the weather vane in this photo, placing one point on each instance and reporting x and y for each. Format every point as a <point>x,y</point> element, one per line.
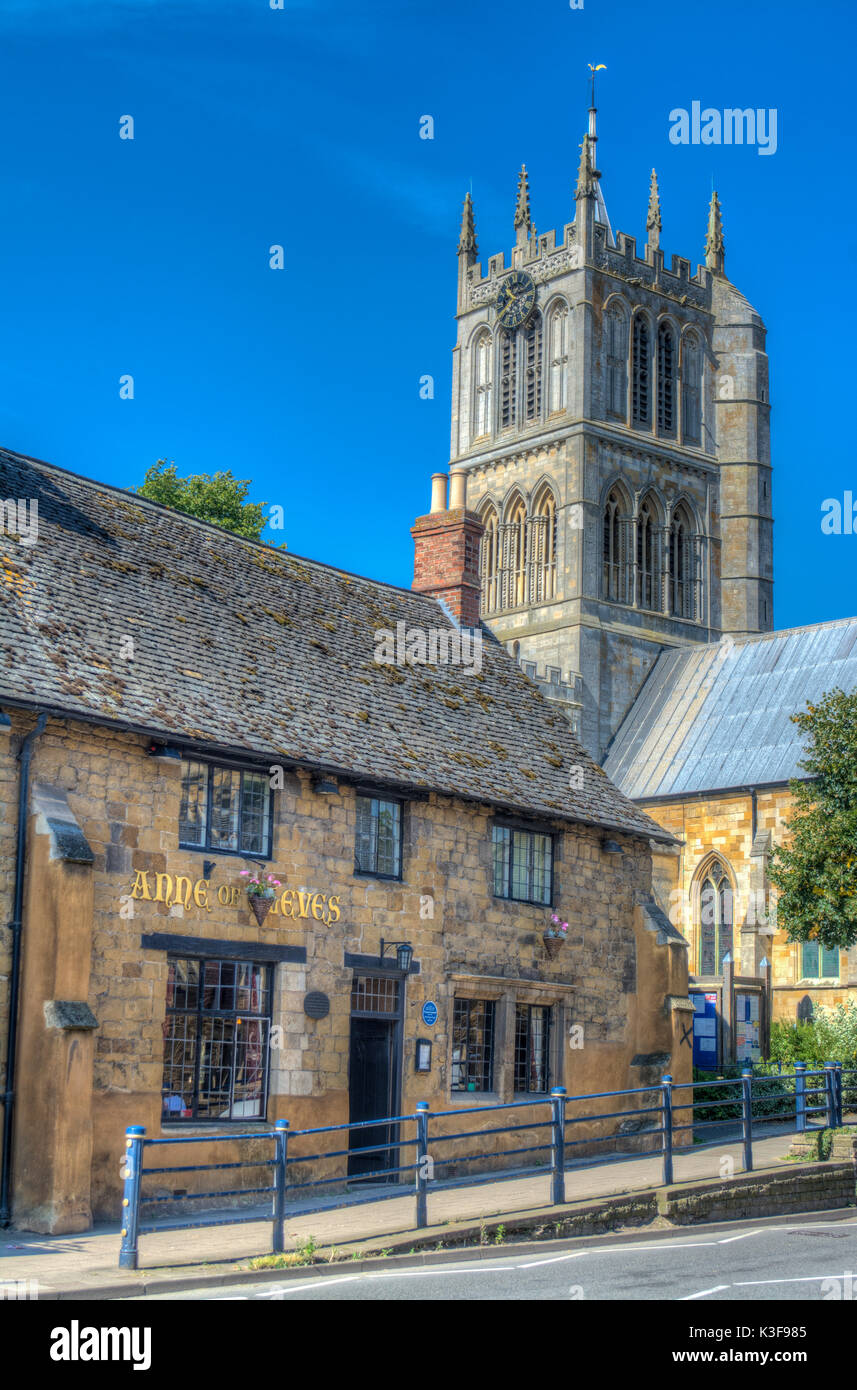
<point>594,68</point>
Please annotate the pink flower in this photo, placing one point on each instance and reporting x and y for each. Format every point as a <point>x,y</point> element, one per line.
<point>245,873</point>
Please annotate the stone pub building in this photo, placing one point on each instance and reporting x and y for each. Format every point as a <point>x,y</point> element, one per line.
<point>182,710</point>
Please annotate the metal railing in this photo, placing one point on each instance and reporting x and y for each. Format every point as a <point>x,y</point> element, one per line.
<point>806,1099</point>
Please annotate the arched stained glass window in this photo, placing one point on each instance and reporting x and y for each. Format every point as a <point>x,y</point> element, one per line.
<point>715,919</point>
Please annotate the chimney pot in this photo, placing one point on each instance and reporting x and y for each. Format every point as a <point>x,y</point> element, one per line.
<point>457,489</point>
<point>438,492</point>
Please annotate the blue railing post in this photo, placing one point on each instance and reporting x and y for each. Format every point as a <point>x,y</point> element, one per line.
<point>131,1196</point>
<point>422,1118</point>
<point>830,1095</point>
<point>747,1117</point>
<point>667,1103</point>
<point>837,1091</point>
<point>281,1158</point>
<point>800,1097</point>
<point>557,1145</point>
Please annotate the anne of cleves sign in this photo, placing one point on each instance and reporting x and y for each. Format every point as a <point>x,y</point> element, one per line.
<point>179,890</point>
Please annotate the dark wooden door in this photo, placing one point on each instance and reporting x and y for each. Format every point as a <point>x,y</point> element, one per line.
<point>371,1076</point>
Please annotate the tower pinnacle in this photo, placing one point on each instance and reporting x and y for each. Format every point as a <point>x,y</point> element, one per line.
<point>715,247</point>
<point>522,208</point>
<point>653,217</point>
<point>467,240</point>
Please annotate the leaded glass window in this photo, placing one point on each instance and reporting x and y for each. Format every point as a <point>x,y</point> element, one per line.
<point>225,809</point>
<point>523,865</point>
<point>378,842</point>
<point>218,1018</point>
<point>472,1045</point>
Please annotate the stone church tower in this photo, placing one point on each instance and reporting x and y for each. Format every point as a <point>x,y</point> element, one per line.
<point>610,431</point>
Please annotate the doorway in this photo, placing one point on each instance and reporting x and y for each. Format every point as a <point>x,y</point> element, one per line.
<point>374,1073</point>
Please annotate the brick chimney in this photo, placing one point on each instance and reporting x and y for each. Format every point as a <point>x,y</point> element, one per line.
<point>446,550</point>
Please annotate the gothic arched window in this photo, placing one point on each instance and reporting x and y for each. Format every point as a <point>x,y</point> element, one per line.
<point>666,379</point>
<point>715,919</point>
<point>691,388</point>
<point>641,395</point>
<point>648,557</point>
<point>508,378</point>
<point>614,582</point>
<point>482,384</point>
<point>513,556</point>
<point>541,557</point>
<point>682,565</point>
<point>489,561</point>
<point>558,357</point>
<point>531,351</point>
<point>616,332</point>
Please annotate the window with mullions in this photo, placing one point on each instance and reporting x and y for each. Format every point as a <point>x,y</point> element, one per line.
<point>819,963</point>
<point>532,1047</point>
<point>715,920</point>
<point>472,1045</point>
<point>378,842</point>
<point>225,809</point>
<point>523,865</point>
<point>216,1040</point>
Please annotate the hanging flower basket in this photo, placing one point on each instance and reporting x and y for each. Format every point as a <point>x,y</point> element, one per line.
<point>261,907</point>
<point>554,936</point>
<point>261,892</point>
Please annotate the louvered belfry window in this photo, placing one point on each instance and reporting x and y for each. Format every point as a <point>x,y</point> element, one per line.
<point>558,388</point>
<point>666,380</point>
<point>508,378</point>
<point>617,361</point>
<point>532,348</point>
<point>482,385</point>
<point>691,394</point>
<point>641,399</point>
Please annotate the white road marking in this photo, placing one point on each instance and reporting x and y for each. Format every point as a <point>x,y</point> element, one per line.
<point>798,1279</point>
<point>729,1239</point>
<point>703,1293</point>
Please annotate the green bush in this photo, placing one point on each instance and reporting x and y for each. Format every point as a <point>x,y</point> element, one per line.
<point>831,1036</point>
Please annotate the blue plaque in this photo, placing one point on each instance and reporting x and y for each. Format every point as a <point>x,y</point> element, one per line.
<point>429,1013</point>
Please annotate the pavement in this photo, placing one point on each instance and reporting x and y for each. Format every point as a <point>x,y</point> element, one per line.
<point>86,1265</point>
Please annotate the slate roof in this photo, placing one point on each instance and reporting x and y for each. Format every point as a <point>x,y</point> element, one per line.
<point>239,646</point>
<point>719,716</point>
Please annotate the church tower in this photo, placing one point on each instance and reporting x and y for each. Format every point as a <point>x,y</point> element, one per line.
<point>610,430</point>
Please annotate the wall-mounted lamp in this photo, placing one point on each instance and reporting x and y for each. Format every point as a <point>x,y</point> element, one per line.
<point>164,750</point>
<point>611,847</point>
<point>208,867</point>
<point>324,787</point>
<point>404,953</point>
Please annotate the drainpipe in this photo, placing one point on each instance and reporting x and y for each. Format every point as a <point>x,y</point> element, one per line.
<point>24,757</point>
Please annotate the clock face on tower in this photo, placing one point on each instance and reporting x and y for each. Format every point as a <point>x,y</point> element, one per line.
<point>516,299</point>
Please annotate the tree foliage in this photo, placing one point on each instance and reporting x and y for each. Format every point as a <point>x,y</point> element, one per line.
<point>816,871</point>
<point>215,497</point>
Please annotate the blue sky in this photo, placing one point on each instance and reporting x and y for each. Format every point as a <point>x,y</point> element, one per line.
<point>301,127</point>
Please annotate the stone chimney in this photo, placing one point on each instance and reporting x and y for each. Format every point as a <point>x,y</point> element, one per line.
<point>446,550</point>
